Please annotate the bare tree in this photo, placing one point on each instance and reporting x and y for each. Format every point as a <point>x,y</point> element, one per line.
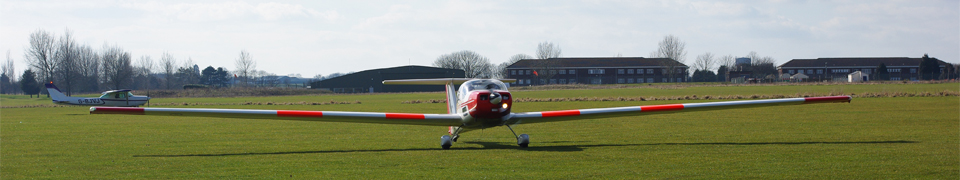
<point>89,70</point>
<point>117,68</point>
<point>144,71</point>
<point>502,68</point>
<point>726,60</point>
<point>704,62</point>
<point>8,67</point>
<point>67,59</point>
<point>547,50</point>
<point>671,47</point>
<point>169,67</point>
<point>473,65</point>
<point>40,55</point>
<point>245,67</point>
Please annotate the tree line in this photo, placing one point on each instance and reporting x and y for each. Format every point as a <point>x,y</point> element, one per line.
<point>76,68</point>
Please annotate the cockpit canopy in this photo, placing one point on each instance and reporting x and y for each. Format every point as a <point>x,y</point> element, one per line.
<point>480,84</point>
<point>118,94</point>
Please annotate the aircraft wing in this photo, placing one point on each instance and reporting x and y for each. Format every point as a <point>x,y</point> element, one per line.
<point>330,116</point>
<point>580,114</point>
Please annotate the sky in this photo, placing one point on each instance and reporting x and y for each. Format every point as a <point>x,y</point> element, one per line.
<point>324,37</point>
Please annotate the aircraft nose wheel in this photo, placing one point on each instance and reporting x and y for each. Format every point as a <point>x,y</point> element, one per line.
<point>523,140</point>
<point>446,141</point>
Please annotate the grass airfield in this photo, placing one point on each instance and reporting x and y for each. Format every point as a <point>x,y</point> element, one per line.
<point>870,138</point>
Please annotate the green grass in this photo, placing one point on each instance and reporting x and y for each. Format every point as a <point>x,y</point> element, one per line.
<point>870,138</point>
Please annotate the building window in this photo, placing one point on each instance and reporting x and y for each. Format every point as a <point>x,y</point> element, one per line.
<point>639,80</point>
<point>573,71</point>
<point>573,81</point>
<point>809,71</point>
<point>840,70</point>
<point>819,71</point>
<point>913,70</point>
<point>528,81</point>
<point>552,72</point>
<point>663,80</point>
<point>649,71</point>
<point>553,81</point>
<point>629,71</point>
<point>894,78</point>
<point>619,71</point>
<point>513,72</point>
<point>595,71</point>
<point>563,81</point>
<point>649,80</point>
<point>620,81</point>
<point>629,80</point>
<point>790,71</point>
<point>639,71</point>
<point>865,71</point>
<point>595,81</point>
<point>543,81</point>
<point>893,70</point>
<point>528,72</point>
<point>679,79</point>
<point>913,78</point>
<point>563,71</point>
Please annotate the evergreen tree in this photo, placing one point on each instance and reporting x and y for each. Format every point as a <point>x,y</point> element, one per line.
<point>929,68</point>
<point>882,73</point>
<point>28,83</point>
<point>722,73</point>
<point>4,84</point>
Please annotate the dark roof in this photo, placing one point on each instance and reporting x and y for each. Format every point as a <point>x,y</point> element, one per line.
<point>855,61</point>
<point>600,62</point>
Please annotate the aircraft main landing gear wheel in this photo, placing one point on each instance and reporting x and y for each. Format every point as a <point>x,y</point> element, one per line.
<point>523,140</point>
<point>446,141</point>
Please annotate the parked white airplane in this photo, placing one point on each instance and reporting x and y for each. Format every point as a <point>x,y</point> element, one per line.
<point>479,104</point>
<point>109,98</point>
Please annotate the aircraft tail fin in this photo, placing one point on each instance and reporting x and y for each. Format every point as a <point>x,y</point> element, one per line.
<point>55,92</point>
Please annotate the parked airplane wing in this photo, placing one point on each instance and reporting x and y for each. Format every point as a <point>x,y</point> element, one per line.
<point>579,114</point>
<point>330,116</point>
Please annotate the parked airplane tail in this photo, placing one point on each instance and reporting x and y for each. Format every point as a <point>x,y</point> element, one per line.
<point>55,93</point>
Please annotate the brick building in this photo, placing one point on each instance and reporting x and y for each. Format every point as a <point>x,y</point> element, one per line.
<point>837,69</point>
<point>607,70</point>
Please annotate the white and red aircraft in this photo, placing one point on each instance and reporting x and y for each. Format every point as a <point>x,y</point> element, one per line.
<point>121,97</point>
<point>479,104</point>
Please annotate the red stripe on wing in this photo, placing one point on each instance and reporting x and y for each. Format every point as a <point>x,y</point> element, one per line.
<point>117,110</point>
<point>667,107</point>
<point>560,113</point>
<point>404,116</point>
<point>318,114</point>
<point>827,99</point>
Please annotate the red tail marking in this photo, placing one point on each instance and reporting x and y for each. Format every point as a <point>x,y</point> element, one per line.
<point>405,116</point>
<point>560,113</point>
<point>117,110</point>
<point>666,107</point>
<point>318,114</point>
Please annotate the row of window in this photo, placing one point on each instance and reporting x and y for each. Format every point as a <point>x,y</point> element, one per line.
<point>544,81</point>
<point>648,71</point>
<point>595,71</point>
<point>596,81</point>
<point>529,72</point>
<point>868,71</point>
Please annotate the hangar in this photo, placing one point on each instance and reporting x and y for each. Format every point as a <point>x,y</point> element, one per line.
<point>370,81</point>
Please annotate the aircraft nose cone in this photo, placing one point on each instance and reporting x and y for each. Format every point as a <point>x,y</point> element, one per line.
<point>495,98</point>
